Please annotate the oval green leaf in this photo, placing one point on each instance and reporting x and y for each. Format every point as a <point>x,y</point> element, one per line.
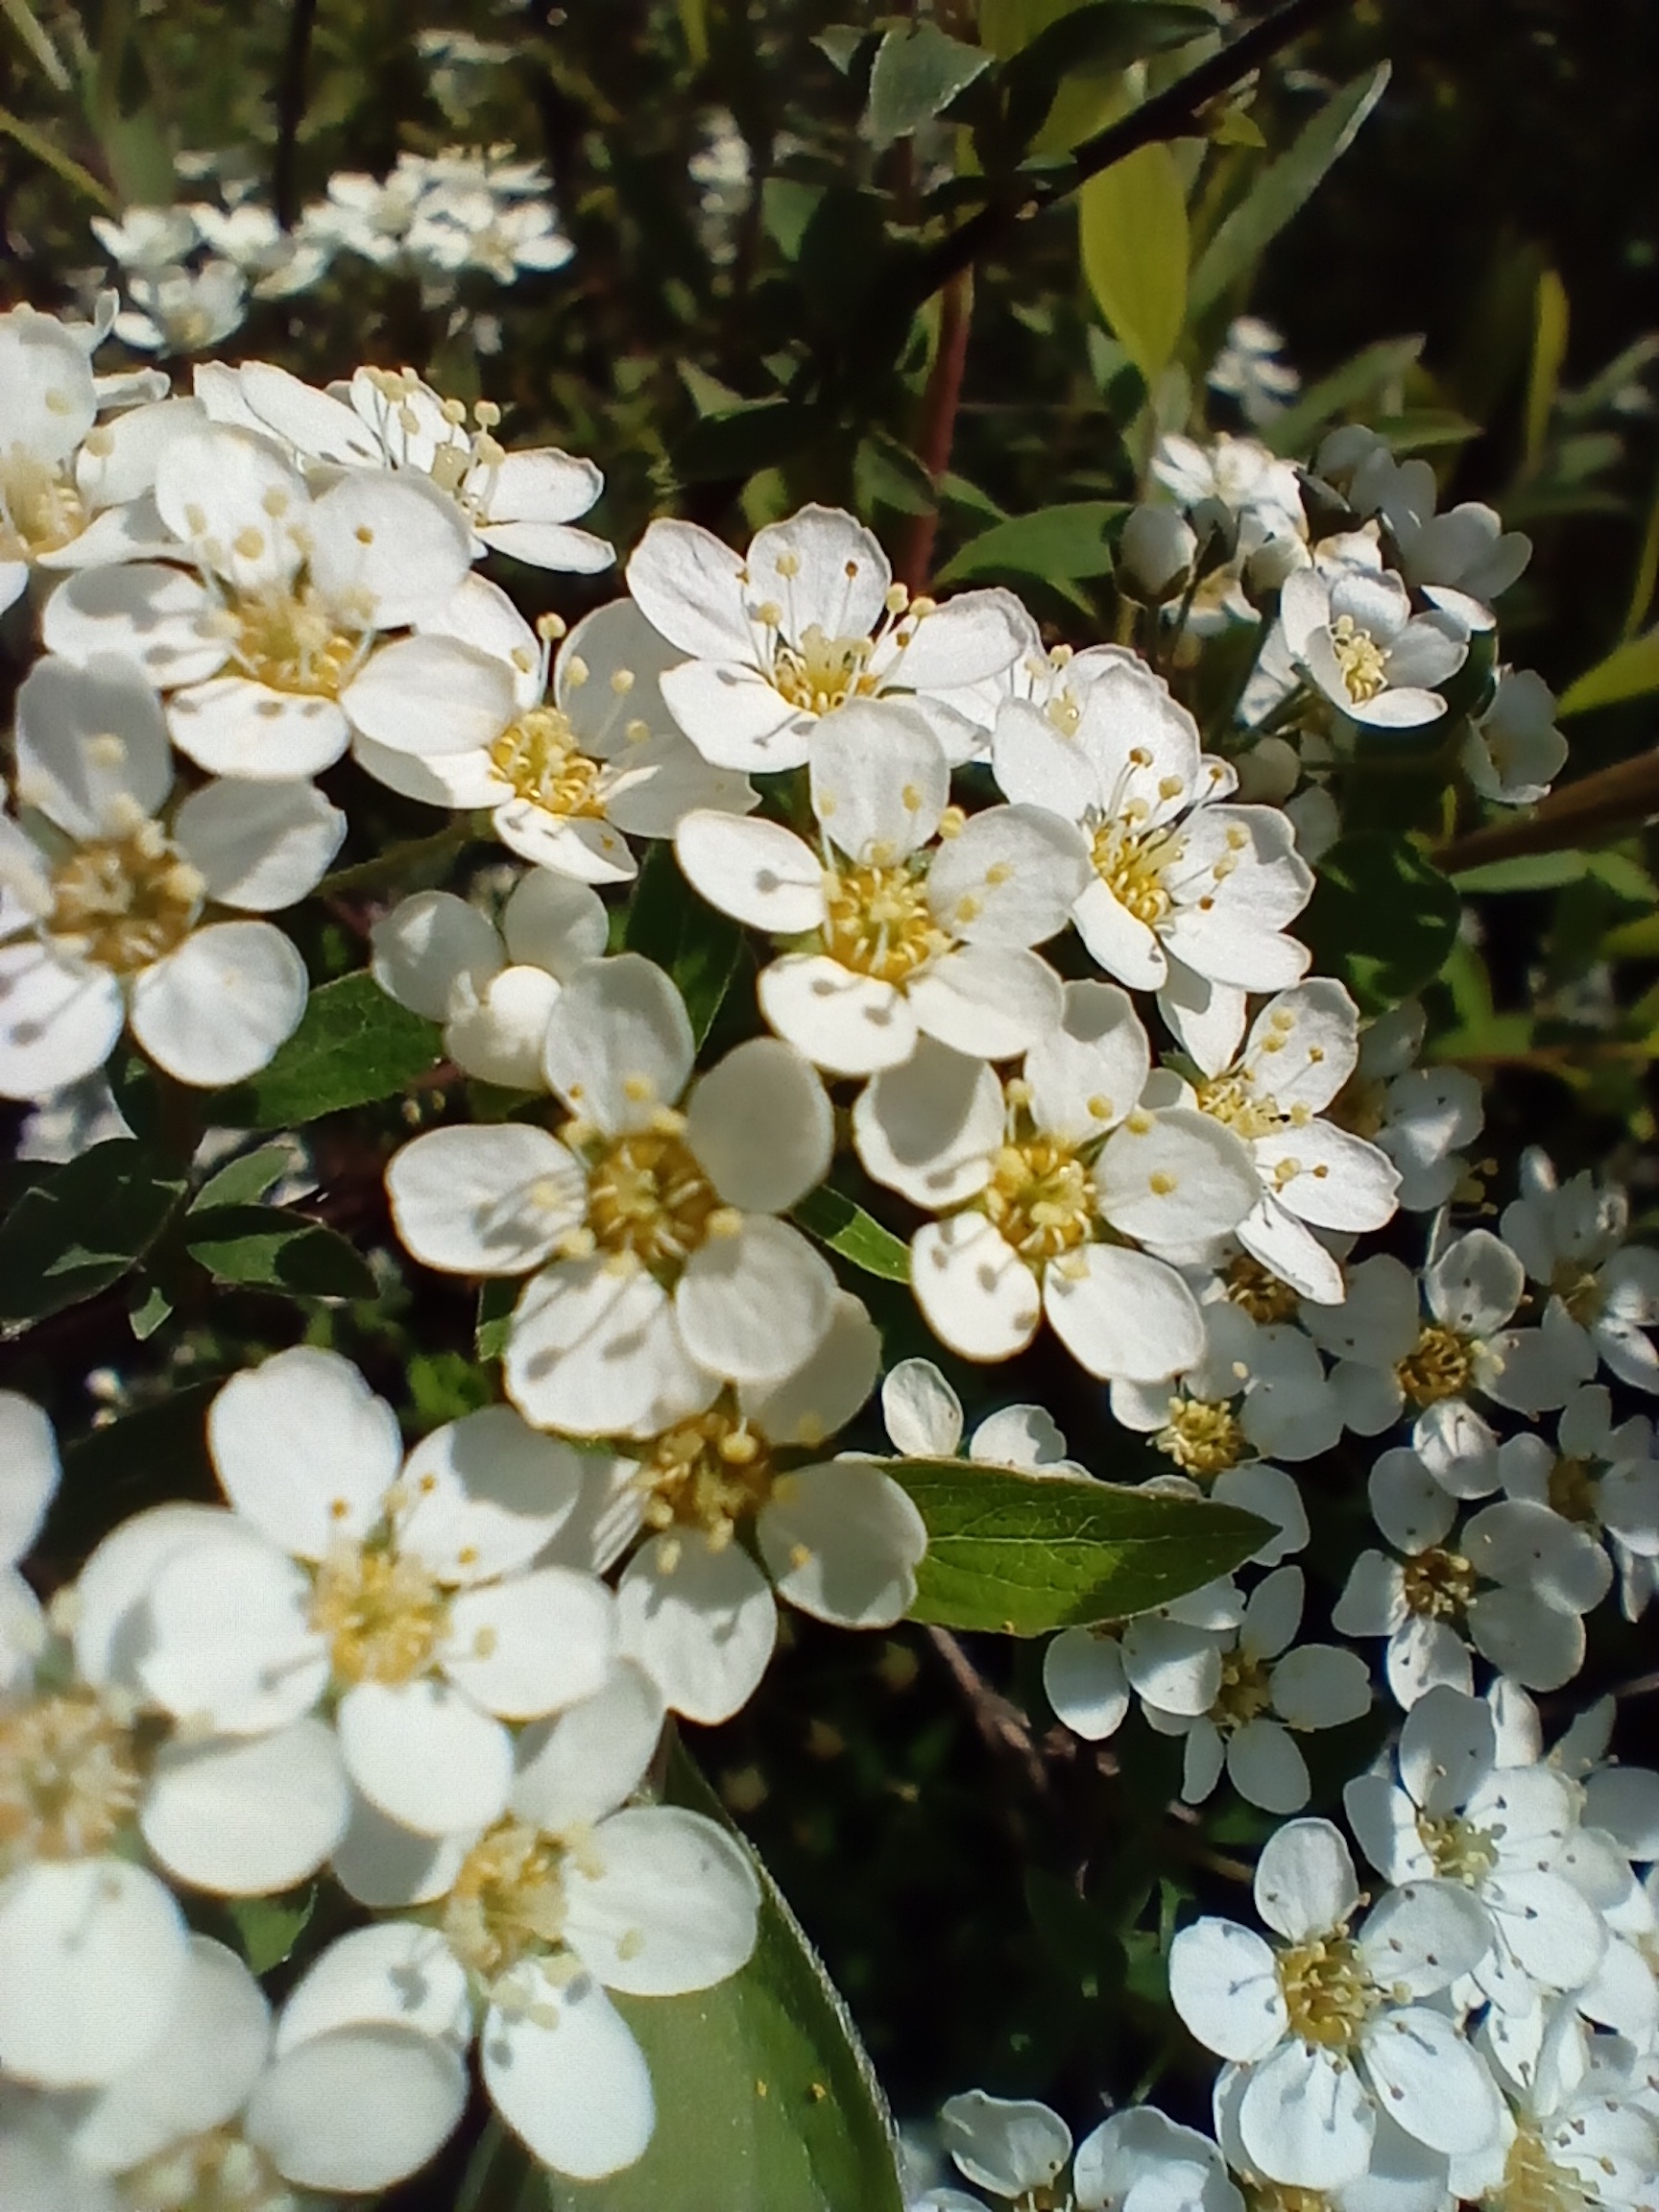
<point>1627,672</point>
<point>355,1045</point>
<point>1381,917</point>
<point>1133,228</point>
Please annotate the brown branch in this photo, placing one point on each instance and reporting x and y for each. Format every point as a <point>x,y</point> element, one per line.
<point>1611,803</point>
<point>999,1720</point>
<point>939,408</point>
<point>291,113</point>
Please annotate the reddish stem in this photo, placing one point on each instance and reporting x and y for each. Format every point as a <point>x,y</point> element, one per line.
<point>939,422</point>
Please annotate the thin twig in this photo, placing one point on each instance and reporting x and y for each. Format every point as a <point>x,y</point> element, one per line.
<point>999,1720</point>
<point>291,113</point>
<point>1609,804</point>
<point>939,424</point>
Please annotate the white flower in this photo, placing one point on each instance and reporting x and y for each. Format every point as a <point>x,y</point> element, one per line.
<point>1601,1481</point>
<point>1010,2147</point>
<point>664,1270</point>
<point>1301,1050</point>
<point>1262,490</point>
<point>463,713</point>
<point>404,1592</point>
<point>290,590</point>
<point>1287,1412</point>
<point>177,310</point>
<point>541,1912</point>
<point>1581,2128</point>
<point>1421,1117</point>
<point>1247,369</point>
<point>1460,561</point>
<point>150,239</point>
<point>103,921</point>
<point>226,2106</point>
<point>1513,751</point>
<point>806,620</point>
<point>455,230</point>
<point>1388,1356</point>
<point>1265,1690</point>
<point>1171,1658</point>
<point>838,1537</point>
<point>923,1416</point>
<point>493,988</point>
<point>30,1475</point>
<point>521,502</point>
<point>899,935</point>
<point>1050,1190</point>
<point>1356,641</point>
<point>1401,2173</point>
<point>1138,2161</point>
<point>1187,897</point>
<point>1501,1831</point>
<point>1603,1296</point>
<point>1332,2026</point>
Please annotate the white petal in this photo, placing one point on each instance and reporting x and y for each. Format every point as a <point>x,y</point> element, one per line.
<point>879,782</point>
<point>597,1352</point>
<point>757,871</point>
<point>112,1619</point>
<point>425,696</point>
<point>398,1974</point>
<point>843,1542</point>
<point>385,1867</point>
<point>1084,1680</point>
<point>358,2108</point>
<point>757,1303</point>
<point>823,567</point>
<point>689,587</point>
<point>217,1009</point>
<point>304,1449</point>
<point>1225,1986</point>
<point>576,1769</point>
<point>812,1401</point>
<point>553,924</point>
<point>29,1473</point>
<point>929,1128</point>
<point>531,1643</point>
<point>846,1023</point>
<point>1174,1178</point>
<point>920,1413</point>
<point>1431,2083</point>
<point>1089,1072</point>
<point>426,945</point>
<point>1123,1314</point>
<point>570,2079</point>
<point>259,846</point>
<point>487,1492</point>
<point>248,1817</point>
<point>90,740</point>
<point>761,1124</point>
<point>1423,1935</point>
<point>229,1644</point>
<point>1321,1686</point>
<point>390,546</point>
<point>1304,1880</point>
<point>734,717</point>
<point>1007,2146</point>
<point>1306,2120</point>
<point>1266,1767</point>
<point>425,1756</point>
<point>990,999</point>
<point>619,1044</point>
<point>670,1905</point>
<point>232,726</point>
<point>485,1201</point>
<point>979,1296</point>
<point>703,1628</point>
<point>57,1022</point>
<point>93,1953</point>
<point>156,615</point>
<point>1010,877</point>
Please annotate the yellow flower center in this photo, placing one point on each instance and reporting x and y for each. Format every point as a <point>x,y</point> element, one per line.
<point>1360,659</point>
<point>384,1616</point>
<point>40,509</point>
<point>289,640</point>
<point>68,1779</point>
<point>878,921</point>
<point>1040,1197</point>
<point>1202,1436</point>
<point>213,2172</point>
<point>1328,1992</point>
<point>1245,1692</point>
<point>1360,1106</point>
<point>1257,1292</point>
<point>1439,1584</point>
<point>1533,2182</point>
<point>822,673</point>
<point>123,903</point>
<point>1572,1491</point>
<point>539,756</point>
<point>648,1195</point>
<point>1579,1290</point>
<point>1439,1366</point>
<point>708,1473</point>
<point>1460,1851</point>
<point>507,1903</point>
<point>1131,862</point>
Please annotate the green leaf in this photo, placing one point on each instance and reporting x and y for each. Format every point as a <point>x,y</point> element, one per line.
<point>1629,671</point>
<point>1020,1554</point>
<point>1133,224</point>
<point>1098,40</point>
<point>1549,353</point>
<point>80,1230</point>
<point>268,1248</point>
<point>497,1300</point>
<point>355,1045</point>
<point>1055,543</point>
<point>1382,918</point>
<point>268,1927</point>
<point>847,1229</point>
<point>765,2100</point>
<point>154,1454</point>
<point>1284,188</point>
<point>919,70</point>
<point>741,441</point>
<point>244,1181</point>
<point>1295,430</point>
<point>694,943</point>
<point>1525,872</point>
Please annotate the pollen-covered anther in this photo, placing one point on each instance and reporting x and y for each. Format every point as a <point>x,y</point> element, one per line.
<point>289,640</point>
<point>1039,1197</point>
<point>124,903</point>
<point>384,1614</point>
<point>1360,660</point>
<point>507,1903</point>
<point>539,758</point>
<point>877,922</point>
<point>819,673</point>
<point>708,1473</point>
<point>1328,1992</point>
<point>1439,1366</point>
<point>649,1201</point>
<point>1202,1436</point>
<point>69,1779</point>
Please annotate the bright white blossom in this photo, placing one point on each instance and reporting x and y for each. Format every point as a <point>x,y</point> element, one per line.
<point>923,1416</point>
<point>106,888</point>
<point>663,1269</point>
<point>1460,561</point>
<point>1603,1296</point>
<point>1356,641</point>
<point>1514,750</point>
<point>909,921</point>
<point>807,621</point>
<point>177,310</point>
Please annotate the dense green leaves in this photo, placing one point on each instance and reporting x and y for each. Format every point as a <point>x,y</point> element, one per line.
<point>847,1229</point>
<point>355,1045</point>
<point>1096,41</point>
<point>265,1247</point>
<point>156,1452</point>
<point>919,70</point>
<point>1058,544</point>
<point>694,943</point>
<point>1354,382</point>
<point>1135,244</point>
<point>1022,1554</point>
<point>1381,917</point>
<point>1284,188</point>
<point>82,1227</point>
<point>1629,671</point>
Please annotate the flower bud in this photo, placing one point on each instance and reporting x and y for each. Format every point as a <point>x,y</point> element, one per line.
<point>1269,772</point>
<point>1156,553</point>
